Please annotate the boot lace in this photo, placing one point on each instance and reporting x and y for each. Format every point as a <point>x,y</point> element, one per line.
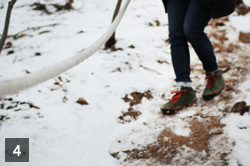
<point>177,95</point>
<point>211,80</point>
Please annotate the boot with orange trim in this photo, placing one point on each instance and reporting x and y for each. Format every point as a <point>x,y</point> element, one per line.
<point>184,97</point>
<point>215,84</point>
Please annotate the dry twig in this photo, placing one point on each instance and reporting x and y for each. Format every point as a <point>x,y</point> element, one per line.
<point>7,22</point>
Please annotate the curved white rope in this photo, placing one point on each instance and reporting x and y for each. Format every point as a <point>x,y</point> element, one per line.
<point>21,83</point>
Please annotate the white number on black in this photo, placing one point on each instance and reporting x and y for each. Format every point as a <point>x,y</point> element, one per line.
<point>17,150</point>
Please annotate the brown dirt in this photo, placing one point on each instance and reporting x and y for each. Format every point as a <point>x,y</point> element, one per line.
<point>241,8</point>
<point>218,22</point>
<point>169,144</point>
<point>44,7</point>
<point>132,114</point>
<point>137,97</point>
<point>244,37</point>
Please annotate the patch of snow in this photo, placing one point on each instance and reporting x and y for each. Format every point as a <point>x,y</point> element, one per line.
<point>63,132</point>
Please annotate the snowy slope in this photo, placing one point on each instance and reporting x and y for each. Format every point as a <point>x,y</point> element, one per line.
<point>63,132</point>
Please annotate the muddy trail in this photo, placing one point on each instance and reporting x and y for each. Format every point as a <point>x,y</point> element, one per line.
<point>206,143</point>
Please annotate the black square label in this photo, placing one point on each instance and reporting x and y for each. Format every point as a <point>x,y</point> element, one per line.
<point>16,149</point>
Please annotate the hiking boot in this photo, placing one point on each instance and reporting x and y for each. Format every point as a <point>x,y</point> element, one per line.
<point>215,84</point>
<point>183,98</point>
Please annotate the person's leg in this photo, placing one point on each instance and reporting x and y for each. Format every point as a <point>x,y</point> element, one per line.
<point>197,18</point>
<point>185,96</point>
<point>179,48</point>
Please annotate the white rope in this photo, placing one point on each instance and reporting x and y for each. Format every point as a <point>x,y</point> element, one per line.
<point>17,84</point>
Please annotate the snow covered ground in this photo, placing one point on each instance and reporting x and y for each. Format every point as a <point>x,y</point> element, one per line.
<point>63,132</point>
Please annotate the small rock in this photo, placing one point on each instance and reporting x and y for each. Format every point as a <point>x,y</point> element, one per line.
<point>240,107</point>
<point>82,101</point>
<point>38,54</point>
<point>8,45</point>
<point>10,52</point>
<point>27,72</point>
<point>80,32</point>
<point>131,46</point>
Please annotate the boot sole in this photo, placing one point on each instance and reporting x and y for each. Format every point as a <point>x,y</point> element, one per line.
<point>174,111</point>
<point>211,96</point>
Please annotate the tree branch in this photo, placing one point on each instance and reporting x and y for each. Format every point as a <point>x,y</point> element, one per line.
<point>7,22</point>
